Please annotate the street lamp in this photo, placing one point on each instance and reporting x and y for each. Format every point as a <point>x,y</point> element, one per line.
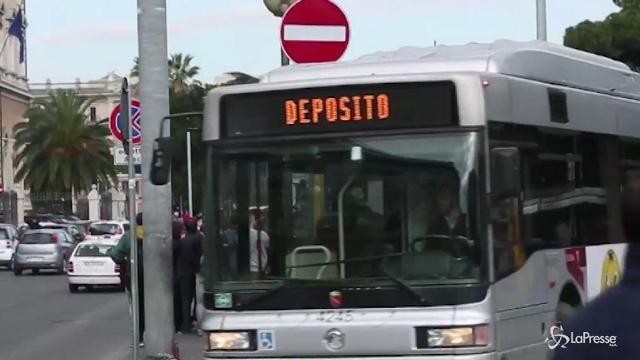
<point>189,169</point>
<point>278,8</point>
<point>541,19</point>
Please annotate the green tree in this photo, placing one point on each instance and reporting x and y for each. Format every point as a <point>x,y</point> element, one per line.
<point>135,69</point>
<point>192,100</point>
<point>187,95</point>
<point>616,37</point>
<point>181,72</point>
<point>59,150</point>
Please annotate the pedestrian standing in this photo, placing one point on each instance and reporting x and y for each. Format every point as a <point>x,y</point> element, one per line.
<point>185,216</point>
<point>613,316</point>
<point>189,251</point>
<point>177,229</point>
<point>121,254</point>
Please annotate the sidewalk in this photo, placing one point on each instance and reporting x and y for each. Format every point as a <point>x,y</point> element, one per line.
<point>190,345</point>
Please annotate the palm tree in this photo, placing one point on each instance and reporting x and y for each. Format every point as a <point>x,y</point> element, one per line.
<point>135,70</point>
<point>181,73</point>
<point>134,76</point>
<point>59,150</point>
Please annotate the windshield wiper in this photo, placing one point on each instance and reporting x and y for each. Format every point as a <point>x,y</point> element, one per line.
<point>286,282</point>
<point>403,285</point>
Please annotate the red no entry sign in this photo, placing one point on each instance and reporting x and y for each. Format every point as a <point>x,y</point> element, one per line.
<point>115,124</point>
<point>314,31</point>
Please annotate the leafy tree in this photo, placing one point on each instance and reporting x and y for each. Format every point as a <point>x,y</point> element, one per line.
<point>135,70</point>
<point>616,37</point>
<point>58,149</point>
<point>187,95</point>
<point>192,100</point>
<point>181,72</point>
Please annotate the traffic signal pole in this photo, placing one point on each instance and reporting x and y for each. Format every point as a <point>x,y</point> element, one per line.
<point>157,249</point>
<point>541,19</point>
<point>127,132</point>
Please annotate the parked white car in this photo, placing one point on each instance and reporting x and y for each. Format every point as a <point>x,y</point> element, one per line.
<point>8,242</point>
<point>110,230</point>
<point>90,266</point>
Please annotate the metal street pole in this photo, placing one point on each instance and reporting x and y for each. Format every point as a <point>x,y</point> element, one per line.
<point>189,177</point>
<point>284,59</point>
<point>541,18</point>
<point>125,117</point>
<point>154,97</point>
<point>278,8</point>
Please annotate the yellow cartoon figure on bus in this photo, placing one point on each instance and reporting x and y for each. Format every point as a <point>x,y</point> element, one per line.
<point>610,271</point>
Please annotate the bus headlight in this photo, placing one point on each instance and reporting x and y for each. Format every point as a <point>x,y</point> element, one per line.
<point>230,340</point>
<point>457,336</point>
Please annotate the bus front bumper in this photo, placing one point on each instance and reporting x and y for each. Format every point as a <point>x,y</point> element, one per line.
<point>490,356</point>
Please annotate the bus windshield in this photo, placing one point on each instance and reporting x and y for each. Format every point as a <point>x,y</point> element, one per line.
<point>343,210</point>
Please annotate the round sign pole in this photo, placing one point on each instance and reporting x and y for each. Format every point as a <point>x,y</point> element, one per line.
<point>314,31</point>
<point>116,125</point>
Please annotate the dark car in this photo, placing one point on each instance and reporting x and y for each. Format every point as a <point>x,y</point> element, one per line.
<point>71,229</point>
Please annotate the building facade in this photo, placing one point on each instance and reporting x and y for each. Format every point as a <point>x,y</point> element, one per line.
<point>14,92</point>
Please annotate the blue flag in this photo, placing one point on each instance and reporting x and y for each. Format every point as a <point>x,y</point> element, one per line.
<point>17,29</point>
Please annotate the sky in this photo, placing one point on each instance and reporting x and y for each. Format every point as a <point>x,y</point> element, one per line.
<point>86,39</point>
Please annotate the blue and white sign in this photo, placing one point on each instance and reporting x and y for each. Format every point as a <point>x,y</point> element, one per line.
<point>266,340</point>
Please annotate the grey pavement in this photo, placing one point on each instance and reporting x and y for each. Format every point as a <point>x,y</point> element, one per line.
<point>40,319</point>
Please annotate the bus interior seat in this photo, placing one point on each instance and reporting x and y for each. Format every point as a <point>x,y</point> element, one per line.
<point>308,255</point>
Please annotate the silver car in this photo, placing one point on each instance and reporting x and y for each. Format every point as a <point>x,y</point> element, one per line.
<point>43,249</point>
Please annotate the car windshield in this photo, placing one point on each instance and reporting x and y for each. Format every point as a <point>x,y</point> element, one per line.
<point>4,234</point>
<point>37,238</point>
<point>93,250</point>
<point>103,229</point>
<point>360,208</point>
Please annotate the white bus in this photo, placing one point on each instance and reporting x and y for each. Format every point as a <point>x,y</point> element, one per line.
<point>441,203</point>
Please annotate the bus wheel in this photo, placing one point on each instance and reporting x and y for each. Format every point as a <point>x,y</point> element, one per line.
<point>564,312</point>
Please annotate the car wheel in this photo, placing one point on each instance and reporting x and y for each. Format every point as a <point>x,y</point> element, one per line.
<point>12,262</point>
<point>73,288</point>
<point>35,271</point>
<point>62,269</point>
<point>564,312</point>
<point>89,287</point>
<point>17,271</point>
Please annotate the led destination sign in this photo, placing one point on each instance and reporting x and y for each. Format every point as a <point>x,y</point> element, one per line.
<point>332,109</point>
<point>342,108</point>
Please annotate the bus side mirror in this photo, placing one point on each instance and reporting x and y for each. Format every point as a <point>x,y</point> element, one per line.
<point>161,161</point>
<point>505,172</point>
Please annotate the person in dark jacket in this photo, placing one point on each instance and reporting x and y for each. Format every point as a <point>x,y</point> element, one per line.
<point>615,314</point>
<point>450,221</point>
<point>120,254</point>
<point>176,233</point>
<point>188,253</point>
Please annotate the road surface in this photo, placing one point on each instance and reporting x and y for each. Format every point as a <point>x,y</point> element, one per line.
<point>40,319</point>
